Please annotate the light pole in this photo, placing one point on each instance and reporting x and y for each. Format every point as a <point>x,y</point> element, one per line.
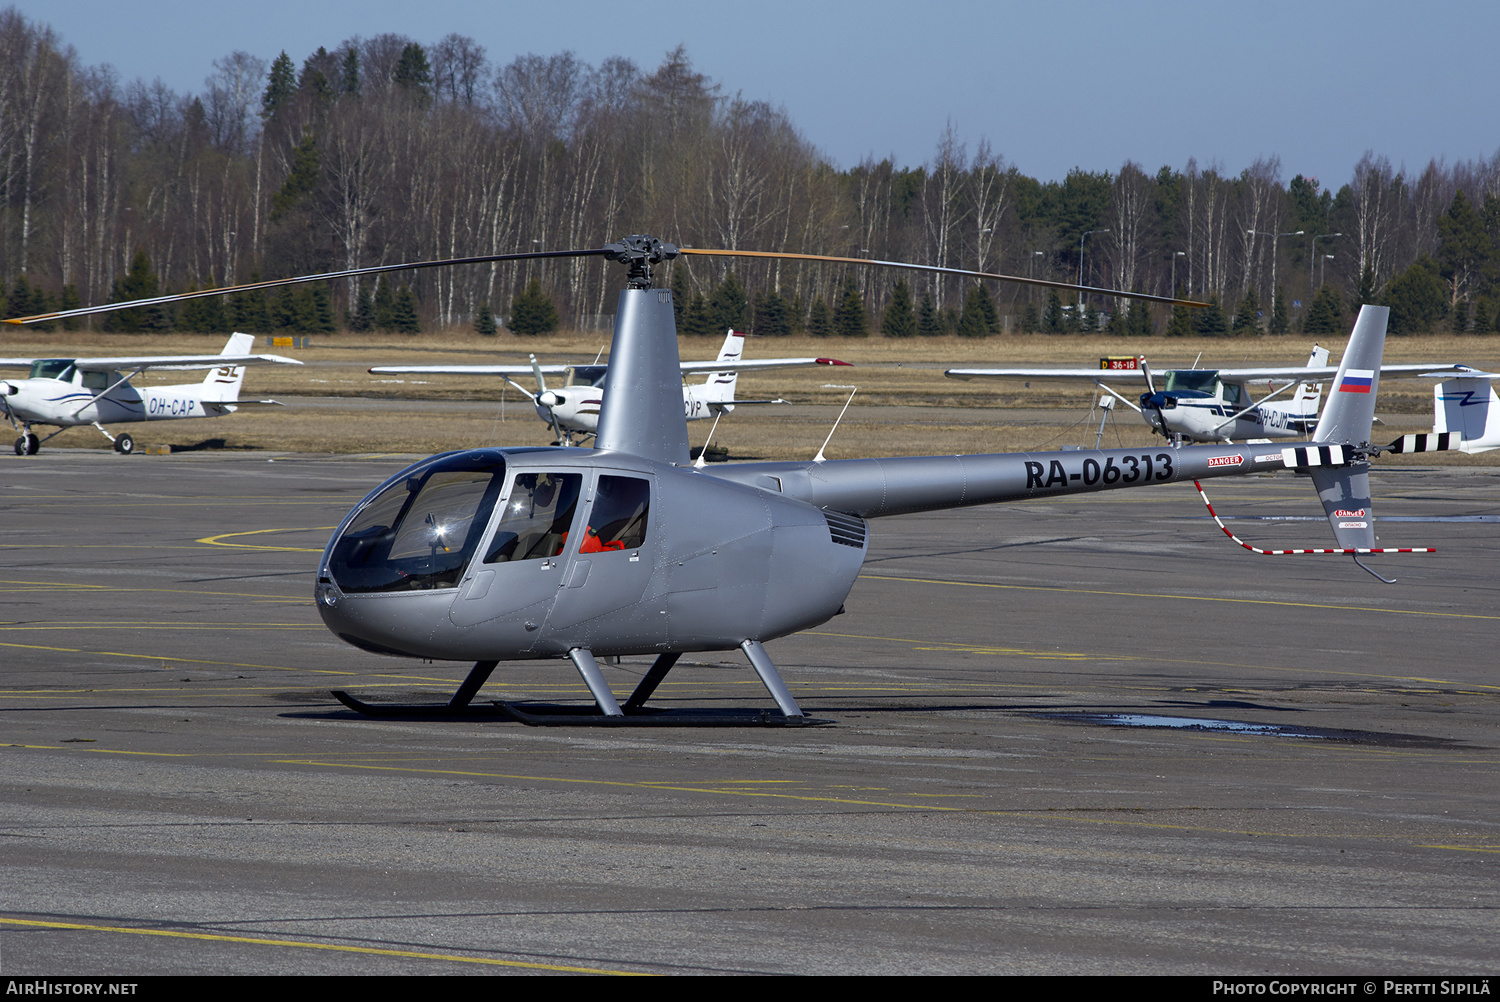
<point>1173,291</point>
<point>1312,256</point>
<point>1323,269</point>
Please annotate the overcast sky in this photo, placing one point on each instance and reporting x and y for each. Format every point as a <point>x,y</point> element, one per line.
<point>1052,84</point>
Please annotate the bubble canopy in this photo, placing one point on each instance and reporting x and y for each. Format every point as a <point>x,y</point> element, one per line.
<point>419,529</point>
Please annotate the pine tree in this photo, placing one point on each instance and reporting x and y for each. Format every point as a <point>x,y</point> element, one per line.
<point>819,322</point>
<point>286,312</point>
<point>698,319</point>
<point>1247,315</point>
<point>349,81</point>
<point>484,321</point>
<point>1483,316</point>
<point>772,315</point>
<point>68,301</point>
<point>849,317</point>
<point>302,179</point>
<point>728,305</point>
<point>533,312</point>
<point>362,317</point>
<point>413,73</point>
<point>1138,319</point>
<point>972,322</point>
<point>385,304</point>
<point>1181,324</point>
<point>1031,320</point>
<point>1326,314</point>
<point>404,313</point>
<point>899,321</point>
<point>1054,320</point>
<point>1210,321</point>
<point>929,322</point>
<point>280,87</point>
<point>139,282</point>
<point>317,315</point>
<point>249,311</point>
<point>1367,284</point>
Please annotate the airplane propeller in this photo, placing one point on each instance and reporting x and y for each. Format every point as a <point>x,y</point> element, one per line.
<point>1152,399</point>
<point>546,398</point>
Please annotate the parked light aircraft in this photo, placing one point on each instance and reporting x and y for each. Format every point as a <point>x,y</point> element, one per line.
<point>1216,405</point>
<point>1468,405</point>
<point>69,392</point>
<point>502,554</point>
<point>574,410</point>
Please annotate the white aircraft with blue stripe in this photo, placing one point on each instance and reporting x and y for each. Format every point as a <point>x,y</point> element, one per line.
<point>1217,405</point>
<point>69,392</point>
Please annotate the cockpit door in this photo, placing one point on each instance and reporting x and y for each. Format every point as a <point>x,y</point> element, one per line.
<point>610,568</point>
<point>519,567</point>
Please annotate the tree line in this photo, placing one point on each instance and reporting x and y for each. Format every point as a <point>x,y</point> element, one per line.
<point>383,150</point>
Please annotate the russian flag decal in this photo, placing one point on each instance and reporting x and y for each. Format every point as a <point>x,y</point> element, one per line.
<point>1357,381</point>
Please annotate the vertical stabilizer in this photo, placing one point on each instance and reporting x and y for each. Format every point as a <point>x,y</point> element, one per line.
<point>1470,407</point>
<point>719,388</point>
<point>1308,395</point>
<point>642,412</point>
<point>223,385</point>
<point>1351,400</point>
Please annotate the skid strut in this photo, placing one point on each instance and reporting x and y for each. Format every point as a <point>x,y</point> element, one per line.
<point>606,711</point>
<point>457,706</point>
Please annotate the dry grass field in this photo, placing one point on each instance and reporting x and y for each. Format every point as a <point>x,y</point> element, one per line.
<point>904,406</point>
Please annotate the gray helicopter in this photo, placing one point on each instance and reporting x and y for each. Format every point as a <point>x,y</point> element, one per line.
<point>504,554</point>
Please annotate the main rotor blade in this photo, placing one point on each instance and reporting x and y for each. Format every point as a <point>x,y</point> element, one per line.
<point>1045,283</point>
<point>278,282</point>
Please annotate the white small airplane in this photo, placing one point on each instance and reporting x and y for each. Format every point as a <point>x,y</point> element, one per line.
<point>1216,405</point>
<point>69,392</point>
<point>574,410</point>
<point>1468,405</point>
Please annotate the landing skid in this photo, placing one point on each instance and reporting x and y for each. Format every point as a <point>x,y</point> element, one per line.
<point>606,712</point>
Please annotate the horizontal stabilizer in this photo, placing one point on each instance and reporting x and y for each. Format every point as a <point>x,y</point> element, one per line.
<point>1426,442</point>
<point>1314,455</point>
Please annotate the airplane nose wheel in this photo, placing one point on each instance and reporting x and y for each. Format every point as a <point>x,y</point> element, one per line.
<point>124,445</point>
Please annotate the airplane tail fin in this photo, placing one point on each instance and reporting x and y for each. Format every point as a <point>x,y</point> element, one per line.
<point>1309,396</point>
<point>222,385</point>
<point>1343,482</point>
<point>1469,406</point>
<point>1350,410</point>
<point>720,385</point>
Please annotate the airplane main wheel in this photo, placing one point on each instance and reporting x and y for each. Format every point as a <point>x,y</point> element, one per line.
<point>21,446</point>
<point>124,445</point>
<point>30,443</point>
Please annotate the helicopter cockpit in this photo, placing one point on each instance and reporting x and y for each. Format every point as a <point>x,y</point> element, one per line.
<point>420,529</point>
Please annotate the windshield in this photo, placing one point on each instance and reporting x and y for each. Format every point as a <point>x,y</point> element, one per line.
<point>587,375</point>
<point>50,368</point>
<point>419,532</point>
<point>1193,381</point>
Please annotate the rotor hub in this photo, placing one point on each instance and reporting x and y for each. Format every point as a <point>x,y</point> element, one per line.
<point>638,253</point>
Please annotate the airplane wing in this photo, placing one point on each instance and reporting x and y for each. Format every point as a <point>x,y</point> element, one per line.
<point>16,363</point>
<point>1089,375</point>
<point>1319,373</point>
<point>179,362</point>
<point>755,363</point>
<point>558,370</point>
<point>1292,372</point>
<point>474,370</point>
